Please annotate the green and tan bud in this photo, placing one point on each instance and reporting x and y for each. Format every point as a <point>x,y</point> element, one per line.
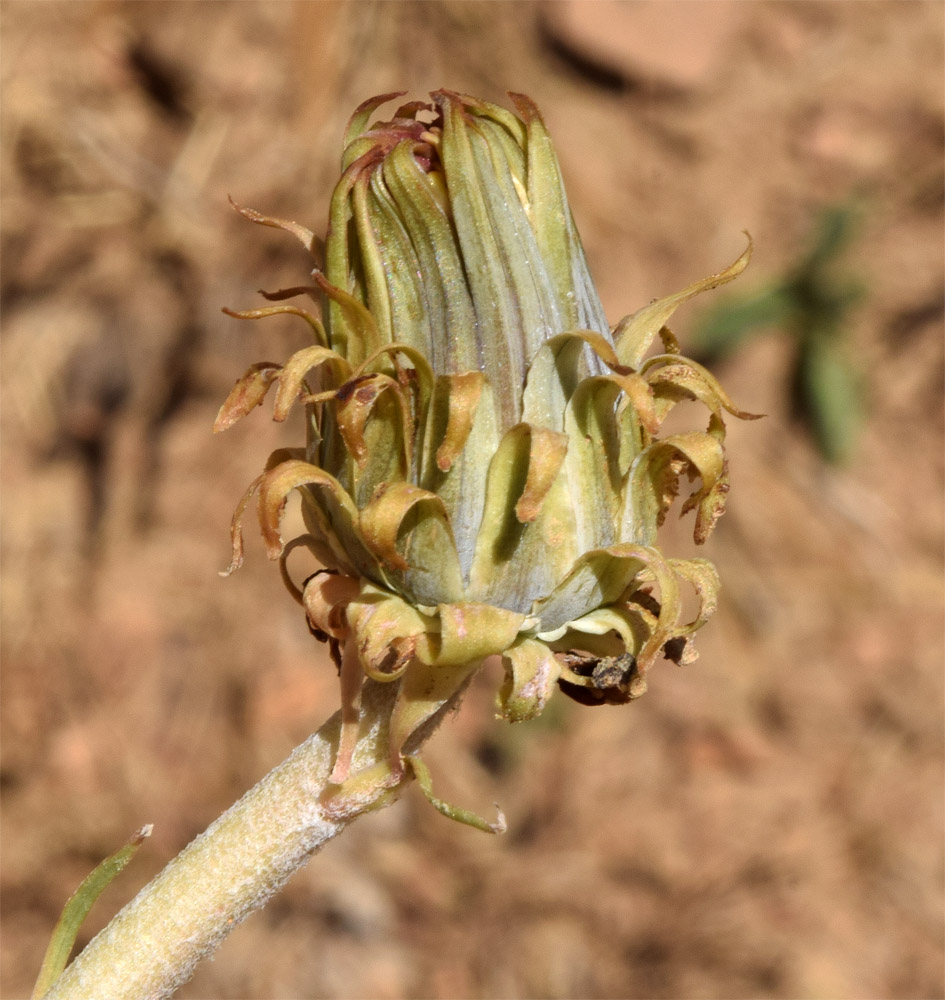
<point>484,472</point>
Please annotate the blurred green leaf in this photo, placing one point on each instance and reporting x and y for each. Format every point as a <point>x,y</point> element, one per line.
<point>829,392</point>
<point>734,321</point>
<point>812,303</point>
<point>834,231</point>
<point>76,910</point>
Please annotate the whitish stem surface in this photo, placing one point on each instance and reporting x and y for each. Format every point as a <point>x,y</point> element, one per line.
<point>154,943</point>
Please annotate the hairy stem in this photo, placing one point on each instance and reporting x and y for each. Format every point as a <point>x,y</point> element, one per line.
<point>152,946</point>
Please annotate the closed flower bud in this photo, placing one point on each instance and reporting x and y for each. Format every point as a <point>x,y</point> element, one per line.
<point>484,472</point>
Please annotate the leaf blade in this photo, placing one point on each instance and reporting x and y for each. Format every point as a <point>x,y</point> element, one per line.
<point>76,910</point>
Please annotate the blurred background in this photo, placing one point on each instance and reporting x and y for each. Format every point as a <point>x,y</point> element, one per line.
<point>766,822</point>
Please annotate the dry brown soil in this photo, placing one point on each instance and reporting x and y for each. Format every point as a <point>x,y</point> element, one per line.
<point>764,823</point>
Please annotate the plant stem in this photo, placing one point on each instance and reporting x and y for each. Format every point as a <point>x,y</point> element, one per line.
<point>153,945</point>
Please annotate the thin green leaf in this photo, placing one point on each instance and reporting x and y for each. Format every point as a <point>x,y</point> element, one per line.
<point>422,774</point>
<point>76,910</point>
